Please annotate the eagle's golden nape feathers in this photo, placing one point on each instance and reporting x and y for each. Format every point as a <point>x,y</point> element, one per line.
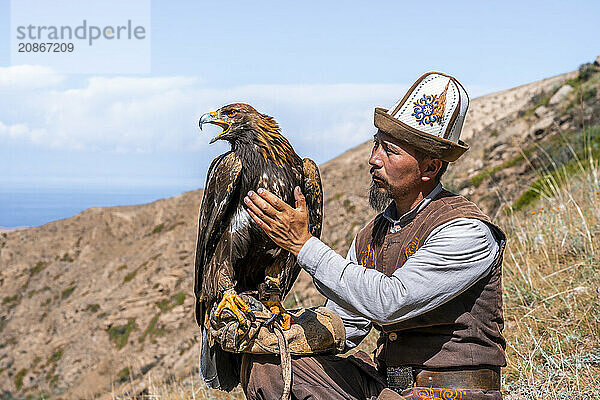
<point>272,143</point>
<point>268,123</point>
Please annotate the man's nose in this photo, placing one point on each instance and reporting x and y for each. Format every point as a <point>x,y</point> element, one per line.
<point>375,159</point>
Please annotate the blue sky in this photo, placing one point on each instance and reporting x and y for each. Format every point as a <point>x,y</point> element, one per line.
<point>319,67</point>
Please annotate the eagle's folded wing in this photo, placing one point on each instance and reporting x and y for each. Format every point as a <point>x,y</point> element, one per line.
<point>311,188</point>
<point>314,195</point>
<point>221,182</point>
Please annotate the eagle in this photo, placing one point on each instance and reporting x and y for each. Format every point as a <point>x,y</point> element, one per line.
<point>233,254</point>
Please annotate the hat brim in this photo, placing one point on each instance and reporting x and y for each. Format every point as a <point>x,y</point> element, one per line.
<point>431,145</point>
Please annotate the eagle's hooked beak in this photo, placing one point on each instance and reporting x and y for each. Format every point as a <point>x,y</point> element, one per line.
<point>211,118</point>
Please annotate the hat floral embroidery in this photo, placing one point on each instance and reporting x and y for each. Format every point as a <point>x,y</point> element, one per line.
<point>428,118</point>
<point>424,109</point>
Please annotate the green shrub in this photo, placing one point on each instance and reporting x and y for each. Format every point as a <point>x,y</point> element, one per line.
<point>175,300</point>
<point>488,173</point>
<point>130,276</point>
<point>123,375</point>
<point>67,292</point>
<point>562,167</point>
<point>151,329</point>
<point>120,334</point>
<point>179,298</point>
<point>158,228</point>
<point>67,258</point>
<point>39,267</point>
<point>586,71</point>
<point>57,355</point>
<point>588,93</point>
<point>52,379</point>
<point>10,299</point>
<point>19,378</point>
<point>92,308</point>
<point>164,305</point>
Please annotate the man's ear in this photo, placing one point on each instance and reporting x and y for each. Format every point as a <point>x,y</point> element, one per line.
<point>431,167</point>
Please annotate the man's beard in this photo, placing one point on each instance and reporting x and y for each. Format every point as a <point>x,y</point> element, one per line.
<point>379,199</point>
<point>381,196</point>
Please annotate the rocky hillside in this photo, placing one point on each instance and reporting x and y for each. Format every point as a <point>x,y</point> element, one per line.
<point>97,303</point>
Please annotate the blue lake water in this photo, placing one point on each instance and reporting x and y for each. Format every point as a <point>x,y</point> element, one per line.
<point>37,206</point>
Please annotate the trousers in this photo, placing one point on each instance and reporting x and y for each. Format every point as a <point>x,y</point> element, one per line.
<point>335,377</point>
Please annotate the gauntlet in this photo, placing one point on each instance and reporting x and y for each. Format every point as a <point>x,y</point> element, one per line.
<point>314,330</point>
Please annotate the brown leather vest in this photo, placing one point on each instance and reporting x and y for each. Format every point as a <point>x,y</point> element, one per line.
<point>463,332</point>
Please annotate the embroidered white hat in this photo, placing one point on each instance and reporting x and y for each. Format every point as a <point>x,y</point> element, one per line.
<point>429,117</point>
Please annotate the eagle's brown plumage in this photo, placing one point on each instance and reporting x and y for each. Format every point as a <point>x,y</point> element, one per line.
<point>233,254</point>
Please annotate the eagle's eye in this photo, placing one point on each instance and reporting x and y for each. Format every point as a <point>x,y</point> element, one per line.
<point>230,113</point>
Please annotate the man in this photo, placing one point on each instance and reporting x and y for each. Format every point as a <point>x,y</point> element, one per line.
<point>426,272</point>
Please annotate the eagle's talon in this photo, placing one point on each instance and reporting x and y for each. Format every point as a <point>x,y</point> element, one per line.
<point>234,304</point>
<point>271,319</point>
<point>279,312</point>
<point>286,321</point>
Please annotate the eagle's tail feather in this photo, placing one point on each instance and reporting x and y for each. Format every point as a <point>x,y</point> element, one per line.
<point>219,369</point>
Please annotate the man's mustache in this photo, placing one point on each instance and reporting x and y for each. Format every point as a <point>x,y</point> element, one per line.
<point>376,175</point>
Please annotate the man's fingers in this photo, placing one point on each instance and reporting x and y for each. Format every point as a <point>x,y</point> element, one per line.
<point>262,204</point>
<point>257,210</point>
<point>259,221</point>
<point>300,199</point>
<point>275,201</point>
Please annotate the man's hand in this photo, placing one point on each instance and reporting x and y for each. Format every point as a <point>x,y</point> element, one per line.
<point>288,227</point>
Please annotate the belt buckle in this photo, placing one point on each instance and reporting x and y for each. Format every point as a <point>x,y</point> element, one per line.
<point>400,378</point>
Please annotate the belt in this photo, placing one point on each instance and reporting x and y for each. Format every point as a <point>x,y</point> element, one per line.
<point>401,378</point>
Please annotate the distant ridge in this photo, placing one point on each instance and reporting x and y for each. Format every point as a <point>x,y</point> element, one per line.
<point>16,228</point>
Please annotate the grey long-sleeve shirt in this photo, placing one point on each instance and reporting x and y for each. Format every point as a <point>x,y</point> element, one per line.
<point>454,256</point>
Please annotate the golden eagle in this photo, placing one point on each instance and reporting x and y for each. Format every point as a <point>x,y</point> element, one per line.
<point>233,254</point>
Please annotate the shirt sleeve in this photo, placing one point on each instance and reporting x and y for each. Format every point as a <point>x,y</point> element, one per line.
<point>357,327</point>
<point>454,256</point>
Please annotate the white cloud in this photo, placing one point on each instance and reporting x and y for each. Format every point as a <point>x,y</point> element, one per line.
<point>26,77</point>
<point>131,114</point>
<point>20,131</point>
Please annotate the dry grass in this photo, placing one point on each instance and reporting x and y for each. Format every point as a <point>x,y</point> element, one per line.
<point>152,387</point>
<point>551,298</point>
<point>191,388</point>
<point>552,291</point>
